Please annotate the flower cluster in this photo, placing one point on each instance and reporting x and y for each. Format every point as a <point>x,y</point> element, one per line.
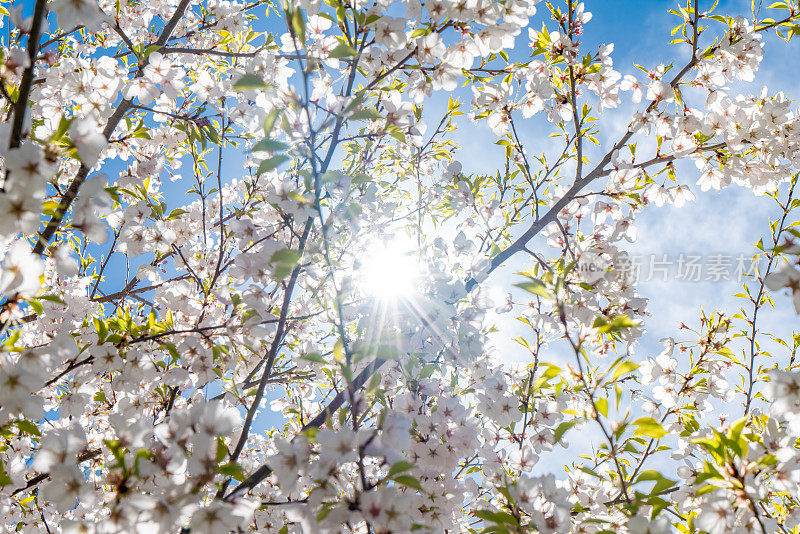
<point>190,200</point>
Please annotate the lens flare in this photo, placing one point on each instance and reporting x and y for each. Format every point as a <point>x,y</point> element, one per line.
<point>389,272</point>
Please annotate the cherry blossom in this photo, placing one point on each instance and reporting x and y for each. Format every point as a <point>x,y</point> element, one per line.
<point>195,337</point>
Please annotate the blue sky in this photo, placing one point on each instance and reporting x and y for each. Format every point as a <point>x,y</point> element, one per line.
<point>640,33</point>
<point>728,222</point>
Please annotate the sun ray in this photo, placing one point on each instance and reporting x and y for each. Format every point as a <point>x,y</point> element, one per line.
<point>390,272</point>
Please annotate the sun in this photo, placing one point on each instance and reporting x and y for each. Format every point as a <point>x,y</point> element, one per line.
<point>390,271</point>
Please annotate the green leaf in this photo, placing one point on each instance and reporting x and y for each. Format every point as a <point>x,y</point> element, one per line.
<point>428,370</point>
<point>271,163</point>
<point>648,475</point>
<point>299,25</point>
<point>342,50</point>
<point>283,261</point>
<point>614,325</point>
<point>647,426</point>
<point>249,82</point>
<point>562,428</point>
<point>232,470</point>
<point>150,49</point>
<point>624,368</point>
<point>63,126</point>
<point>29,428</point>
<point>4,478</point>
<point>315,357</point>
<point>602,406</point>
<point>662,482</point>
<point>408,480</point>
<point>373,384</point>
<point>36,305</point>
<point>535,287</point>
<point>269,145</point>
<point>269,121</point>
<point>551,370</point>
<point>399,467</point>
<point>705,489</point>
<point>366,114</point>
<point>496,517</point>
<point>173,351</point>
<point>387,352</point>
<point>222,450</point>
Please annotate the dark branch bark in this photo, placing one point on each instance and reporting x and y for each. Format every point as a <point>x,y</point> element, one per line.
<point>21,105</point>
